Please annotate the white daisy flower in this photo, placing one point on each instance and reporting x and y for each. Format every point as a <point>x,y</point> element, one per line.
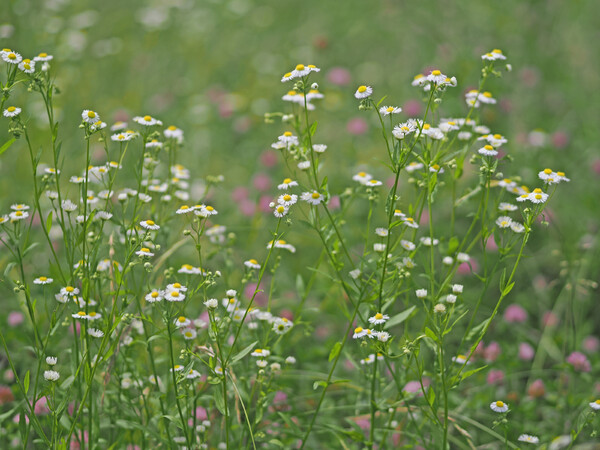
<point>378,318</point>
<point>176,287</point>
<point>499,406</point>
<point>182,321</point>
<point>436,169</point>
<point>288,138</point>
<point>122,137</point>
<point>280,211</point>
<point>421,293</point>
<point>90,116</point>
<point>507,207</point>
<point>436,77</point>
<point>11,57</point>
<point>411,167</point>
<point>383,336</point>
<point>172,132</point>
<point>45,57</point>
<point>503,222</point>
<point>362,177</point>
<point>387,110</point>
<point>359,332</point>
<point>282,244</point>
<point>185,209</point>
<point>205,211</point>
<point>174,296</point>
<point>373,183</point>
<point>451,298</point>
<point>51,360</point>
<point>11,111</point>
<point>252,264</point>
<point>407,245</point>
<point>287,183</point>
<point>149,225</point>
<point>464,135</point>
<point>314,198</point>
<point>94,316</point>
<point>410,222</point>
<point>537,196</point>
<point>148,121</point>
<point>51,375</point>
<point>379,248</point>
<point>287,199</point>
<point>381,232</point>
<point>402,130</point>
<point>260,353</point>
<point>281,325</point>
<point>529,438</point>
<point>494,55</point>
<point>363,92</point>
<point>460,359</point>
<point>154,143</point>
<point>314,94</point>
<point>399,213</point>
<point>595,405</point>
<point>457,288</point>
<point>419,80</point>
<point>486,97</point>
<point>211,303</point>
<point>448,126</point>
<point>94,332</point>
<point>427,242</point>
<point>319,148</point>
<point>487,150</point>
<point>517,227</point>
<point>43,280</point>
<point>69,290</point>
<point>144,252</point>
<point>177,368</point>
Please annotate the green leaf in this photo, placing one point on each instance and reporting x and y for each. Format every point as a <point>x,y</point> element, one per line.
<point>219,403</point>
<point>507,289</point>
<point>68,381</point>
<point>243,353</point>
<point>49,222</point>
<point>453,245</point>
<point>430,334</point>
<point>26,383</point>
<point>335,350</point>
<point>313,128</point>
<point>316,384</point>
<point>7,144</point>
<point>474,331</point>
<point>471,372</point>
<point>399,318</point>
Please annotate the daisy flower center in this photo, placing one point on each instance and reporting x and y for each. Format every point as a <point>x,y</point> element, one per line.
<point>177,285</point>
<point>497,136</point>
<point>253,261</point>
<point>287,197</point>
<point>427,126</point>
<point>560,174</point>
<point>488,147</point>
<point>315,195</point>
<point>358,329</point>
<point>81,313</point>
<point>19,213</point>
<point>43,55</point>
<point>436,72</point>
<point>362,89</point>
<point>287,180</point>
<point>43,279</point>
<point>280,209</point>
<point>499,404</point>
<point>150,222</point>
<point>69,289</point>
<point>390,109</point>
<point>91,114</point>
<point>175,294</point>
<point>172,128</point>
<point>12,56</point>
<point>146,250</point>
<point>210,208</point>
<point>147,118</point>
<point>181,319</point>
<point>378,316</point>
<point>154,294</point>
<point>11,109</point>
<point>300,67</point>
<point>287,133</point>
<point>487,94</point>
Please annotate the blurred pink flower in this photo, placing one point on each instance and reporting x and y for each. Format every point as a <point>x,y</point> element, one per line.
<point>412,108</point>
<point>6,395</point>
<point>334,202</point>
<point>515,314</point>
<point>536,389</point>
<point>339,76</point>
<point>466,268</point>
<point>490,245</point>
<point>591,344</point>
<point>239,193</point>
<point>492,352</point>
<point>550,319</point>
<point>41,406</point>
<point>560,139</point>
<point>15,318</point>
<point>262,182</point>
<point>261,298</point>
<point>579,362</point>
<point>269,158</point>
<point>495,377</point>
<point>201,413</point>
<point>596,167</point>
<point>414,387</point>
<point>526,351</point>
<point>263,203</point>
<point>357,126</point>
<point>247,208</point>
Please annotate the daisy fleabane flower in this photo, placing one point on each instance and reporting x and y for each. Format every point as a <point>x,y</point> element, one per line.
<point>148,121</point>
<point>503,222</point>
<point>487,150</point>
<point>529,438</point>
<point>11,57</point>
<point>363,91</point>
<point>494,55</point>
<point>388,110</point>
<point>436,77</point>
<point>595,405</point>
<point>359,332</point>
<point>252,264</point>
<point>51,375</point>
<point>280,210</point>
<point>11,111</point>
<point>287,183</point>
<point>287,199</point>
<point>51,360</point>
<point>149,225</point>
<point>499,406</point>
<point>421,293</point>
<point>378,318</point>
<point>90,116</point>
<point>362,177</point>
<point>43,280</point>
<point>314,198</point>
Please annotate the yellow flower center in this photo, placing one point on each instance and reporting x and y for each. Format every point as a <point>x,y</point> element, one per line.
<point>253,261</point>
<point>210,208</point>
<point>91,114</point>
<point>287,75</point>
<point>500,404</point>
<point>410,219</point>
<point>497,51</point>
<point>537,190</point>
<point>43,279</point>
<point>436,167</point>
<point>43,55</point>
<point>187,266</point>
<point>497,136</point>
<point>189,335</point>
<point>150,222</point>
<point>145,250</point>
<point>147,118</point>
<point>390,109</point>
<point>300,67</point>
<point>92,314</point>
<point>177,285</point>
<point>172,128</point>
<point>426,126</point>
<point>362,89</point>
<point>504,223</point>
<point>419,76</point>
<point>185,207</point>
<point>597,402</point>
<point>487,94</point>
<point>174,294</point>
<point>81,313</point>
<point>378,316</point>
<point>287,181</point>
<point>281,242</point>
<point>311,66</point>
<point>27,66</point>
<point>12,56</point>
<point>436,72</point>
<point>361,174</point>
<point>560,174</point>
<point>69,289</point>
<point>405,128</point>
<point>507,180</point>
<point>287,197</point>
<point>315,195</point>
<point>287,134</point>
<point>358,330</point>
<point>154,294</point>
<point>538,196</point>
<point>291,93</point>
<point>451,123</point>
<point>280,209</point>
<point>181,319</point>
<point>19,213</point>
<point>488,147</point>
<point>258,350</point>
